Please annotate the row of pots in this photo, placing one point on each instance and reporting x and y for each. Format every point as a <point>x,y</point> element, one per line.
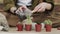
<point>37,27</point>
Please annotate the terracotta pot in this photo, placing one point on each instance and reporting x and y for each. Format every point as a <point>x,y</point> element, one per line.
<point>28,27</point>
<point>58,28</point>
<point>48,28</point>
<point>20,27</point>
<point>38,27</point>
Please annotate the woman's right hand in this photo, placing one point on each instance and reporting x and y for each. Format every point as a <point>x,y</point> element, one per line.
<point>22,8</point>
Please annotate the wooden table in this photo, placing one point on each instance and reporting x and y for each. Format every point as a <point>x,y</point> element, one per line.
<point>14,31</point>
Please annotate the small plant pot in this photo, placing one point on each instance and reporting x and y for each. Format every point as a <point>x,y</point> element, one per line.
<point>20,27</point>
<point>28,27</point>
<point>58,28</point>
<point>38,27</point>
<point>48,28</point>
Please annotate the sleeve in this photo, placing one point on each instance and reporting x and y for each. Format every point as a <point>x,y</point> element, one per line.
<point>8,4</point>
<point>4,22</point>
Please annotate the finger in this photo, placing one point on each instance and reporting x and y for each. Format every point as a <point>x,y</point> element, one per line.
<point>37,7</point>
<point>17,11</point>
<point>41,9</point>
<point>20,9</point>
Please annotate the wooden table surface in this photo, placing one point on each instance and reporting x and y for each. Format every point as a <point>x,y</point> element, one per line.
<point>14,31</point>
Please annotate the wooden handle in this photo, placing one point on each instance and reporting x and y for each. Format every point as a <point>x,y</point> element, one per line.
<point>33,11</point>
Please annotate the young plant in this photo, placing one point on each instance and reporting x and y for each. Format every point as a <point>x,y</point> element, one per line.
<point>48,25</point>
<point>49,22</point>
<point>28,14</point>
<point>28,25</point>
<point>29,21</point>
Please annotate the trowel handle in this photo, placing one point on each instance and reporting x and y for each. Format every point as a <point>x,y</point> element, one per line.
<point>33,11</point>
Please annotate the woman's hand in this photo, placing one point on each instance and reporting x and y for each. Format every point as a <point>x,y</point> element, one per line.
<point>22,8</point>
<point>12,9</point>
<point>42,6</point>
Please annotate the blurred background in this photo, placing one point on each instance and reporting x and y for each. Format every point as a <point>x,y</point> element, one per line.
<point>12,19</point>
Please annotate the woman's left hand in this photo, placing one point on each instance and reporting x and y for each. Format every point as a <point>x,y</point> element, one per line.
<point>42,6</point>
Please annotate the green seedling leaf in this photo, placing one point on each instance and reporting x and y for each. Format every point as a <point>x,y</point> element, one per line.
<point>29,21</point>
<point>48,22</point>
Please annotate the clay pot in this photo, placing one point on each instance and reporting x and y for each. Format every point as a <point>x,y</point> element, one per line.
<point>48,28</point>
<point>28,27</point>
<point>58,28</point>
<point>20,27</point>
<point>38,27</point>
